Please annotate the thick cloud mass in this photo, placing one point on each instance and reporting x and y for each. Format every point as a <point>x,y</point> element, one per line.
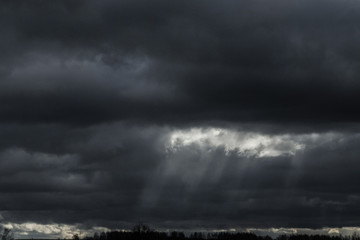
<point>181,62</point>
<point>182,114</point>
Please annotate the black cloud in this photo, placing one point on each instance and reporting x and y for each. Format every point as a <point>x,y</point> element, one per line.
<point>91,93</point>
<point>293,62</point>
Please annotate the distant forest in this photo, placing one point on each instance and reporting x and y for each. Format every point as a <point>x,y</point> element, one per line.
<point>143,232</point>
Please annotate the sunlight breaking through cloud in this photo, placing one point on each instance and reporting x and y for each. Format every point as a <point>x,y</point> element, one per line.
<point>247,144</point>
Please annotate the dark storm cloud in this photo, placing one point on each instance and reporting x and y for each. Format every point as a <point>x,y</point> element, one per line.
<point>289,62</point>
<point>107,172</point>
<point>93,93</point>
<point>127,174</point>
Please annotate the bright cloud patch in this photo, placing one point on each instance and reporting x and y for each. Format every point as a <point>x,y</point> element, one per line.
<point>203,153</point>
<point>35,230</point>
<point>274,232</point>
<point>246,143</point>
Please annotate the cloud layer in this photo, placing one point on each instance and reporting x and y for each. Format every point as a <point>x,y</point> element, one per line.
<point>182,114</point>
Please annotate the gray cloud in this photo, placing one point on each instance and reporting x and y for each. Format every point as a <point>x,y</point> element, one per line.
<point>123,173</point>
<point>182,63</point>
<point>184,114</point>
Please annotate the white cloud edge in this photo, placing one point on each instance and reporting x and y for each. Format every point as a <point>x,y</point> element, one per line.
<point>66,231</point>
<point>248,144</point>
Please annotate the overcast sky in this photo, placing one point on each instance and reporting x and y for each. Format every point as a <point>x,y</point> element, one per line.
<point>196,114</point>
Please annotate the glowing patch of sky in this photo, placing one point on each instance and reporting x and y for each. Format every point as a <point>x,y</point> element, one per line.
<point>246,143</point>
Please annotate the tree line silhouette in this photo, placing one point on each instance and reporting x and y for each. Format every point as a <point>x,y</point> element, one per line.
<point>143,232</point>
